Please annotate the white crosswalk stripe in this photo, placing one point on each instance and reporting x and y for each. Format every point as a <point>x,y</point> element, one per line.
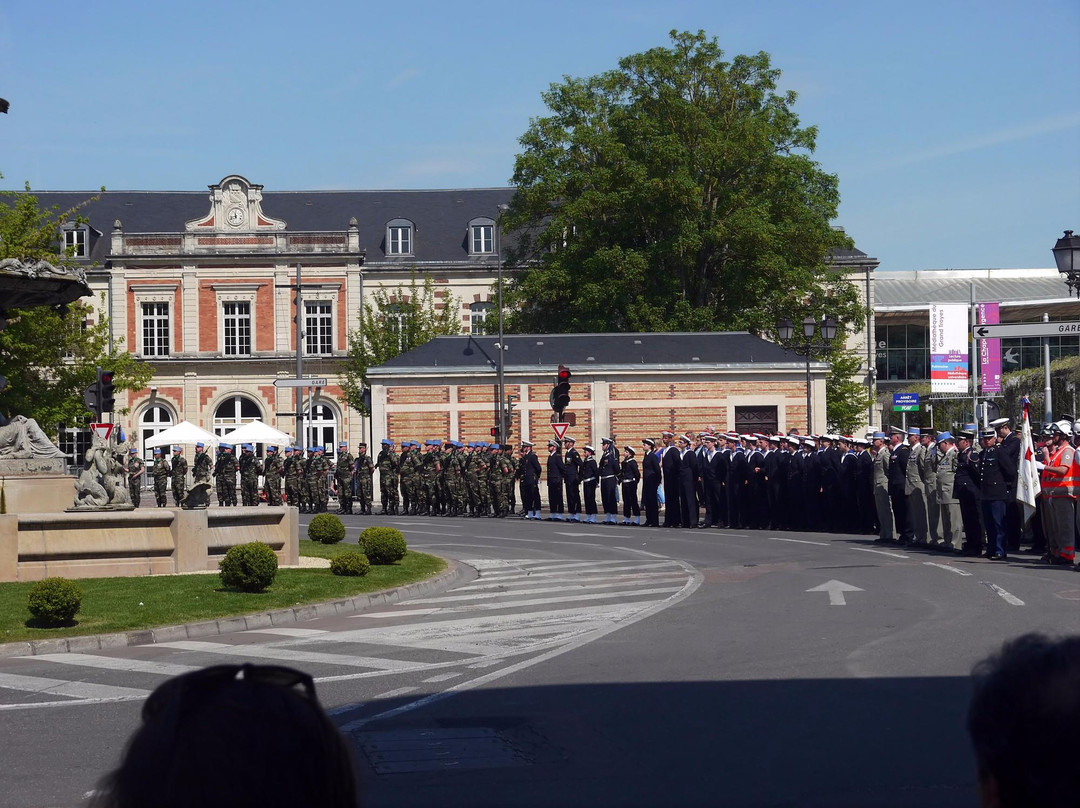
<point>514,610</point>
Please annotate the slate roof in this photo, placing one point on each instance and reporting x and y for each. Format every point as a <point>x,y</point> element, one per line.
<point>899,291</point>
<point>582,353</point>
<point>440,217</point>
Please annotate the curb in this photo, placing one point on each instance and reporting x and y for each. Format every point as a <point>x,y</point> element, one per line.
<point>456,572</point>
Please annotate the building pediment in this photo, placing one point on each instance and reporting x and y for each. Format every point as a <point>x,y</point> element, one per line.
<point>235,207</point>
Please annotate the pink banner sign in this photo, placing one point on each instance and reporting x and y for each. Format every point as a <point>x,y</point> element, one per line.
<point>990,349</point>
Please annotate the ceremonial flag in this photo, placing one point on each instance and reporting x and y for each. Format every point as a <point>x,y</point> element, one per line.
<point>1027,481</point>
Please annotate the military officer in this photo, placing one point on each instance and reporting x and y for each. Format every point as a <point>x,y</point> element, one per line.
<point>250,469</point>
<point>529,473</point>
<point>555,467</point>
<point>135,470</point>
<point>590,479</point>
<point>179,475</point>
<point>343,478</point>
<point>952,526</point>
<point>880,455</point>
<point>273,470</point>
<point>363,469</point>
<point>629,477</point>
<point>161,473</point>
<point>996,472</point>
<point>572,464</point>
<point>650,482</point>
<point>320,488</point>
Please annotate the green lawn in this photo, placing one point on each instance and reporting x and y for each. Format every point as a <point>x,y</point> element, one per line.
<point>126,604</point>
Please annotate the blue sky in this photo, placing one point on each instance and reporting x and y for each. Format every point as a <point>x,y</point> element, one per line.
<point>953,126</point>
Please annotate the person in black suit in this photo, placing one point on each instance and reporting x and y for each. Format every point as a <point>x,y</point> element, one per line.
<point>966,487</point>
<point>650,483</point>
<point>721,462</point>
<point>864,488</point>
<point>1009,442</point>
<point>996,472</point>
<point>898,462</point>
<point>572,464</point>
<point>688,474</point>
<point>736,485</point>
<point>669,466</point>
<point>529,471</point>
<point>590,479</point>
<point>609,480</point>
<point>555,468</point>
<point>629,477</point>
<point>707,477</point>
<point>775,469</point>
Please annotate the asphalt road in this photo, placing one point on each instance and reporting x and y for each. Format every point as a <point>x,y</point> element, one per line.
<point>603,665</point>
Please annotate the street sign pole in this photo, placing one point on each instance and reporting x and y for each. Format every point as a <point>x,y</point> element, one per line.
<point>1043,329</point>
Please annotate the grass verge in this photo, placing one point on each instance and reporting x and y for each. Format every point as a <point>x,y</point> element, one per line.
<point>111,605</point>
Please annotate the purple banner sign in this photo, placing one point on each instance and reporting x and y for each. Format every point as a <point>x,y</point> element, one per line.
<point>990,349</point>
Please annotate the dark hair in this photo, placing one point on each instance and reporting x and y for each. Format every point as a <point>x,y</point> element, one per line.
<point>1024,721</point>
<point>237,736</point>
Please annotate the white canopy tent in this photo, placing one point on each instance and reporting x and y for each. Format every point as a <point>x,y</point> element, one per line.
<point>257,432</point>
<point>184,432</point>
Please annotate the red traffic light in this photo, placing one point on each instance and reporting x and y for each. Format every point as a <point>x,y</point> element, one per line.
<point>494,432</point>
<point>564,374</point>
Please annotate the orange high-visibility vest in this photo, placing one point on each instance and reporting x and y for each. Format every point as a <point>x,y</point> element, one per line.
<point>1062,485</point>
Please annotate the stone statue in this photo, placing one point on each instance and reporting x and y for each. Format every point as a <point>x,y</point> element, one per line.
<point>100,484</point>
<point>22,438</point>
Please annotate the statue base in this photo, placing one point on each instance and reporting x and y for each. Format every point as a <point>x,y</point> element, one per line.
<point>98,509</point>
<point>41,492</point>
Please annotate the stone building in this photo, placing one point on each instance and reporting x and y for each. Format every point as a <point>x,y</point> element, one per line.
<point>201,285</point>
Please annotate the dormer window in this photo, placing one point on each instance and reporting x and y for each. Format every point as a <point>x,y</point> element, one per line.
<point>481,237</point>
<point>399,237</point>
<point>76,241</point>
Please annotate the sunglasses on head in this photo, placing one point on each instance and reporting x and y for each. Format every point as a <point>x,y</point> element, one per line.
<point>220,675</point>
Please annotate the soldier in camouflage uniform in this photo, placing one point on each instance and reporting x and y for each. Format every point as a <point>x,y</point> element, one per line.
<point>502,478</point>
<point>161,473</point>
<point>227,470</point>
<point>429,474</point>
<point>218,487</point>
<point>293,459</point>
<point>409,472</point>
<point>307,503</point>
<point>179,476</point>
<point>363,469</point>
<point>200,469</point>
<point>250,469</point>
<point>472,478</point>
<point>320,490</point>
<point>389,464</point>
<point>273,470</point>
<point>343,478</point>
<point>454,477</point>
<point>135,469</point>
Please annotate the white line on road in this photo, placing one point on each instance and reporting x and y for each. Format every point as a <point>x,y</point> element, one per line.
<point>880,552</point>
<point>401,691</point>
<point>60,687</point>
<point>482,585</point>
<point>399,613</point>
<point>1008,597</point>
<point>957,570</point>
<point>116,664</point>
<point>513,604</point>
<point>800,541</point>
<point>270,652</point>
<point>442,677</point>
<point>523,588</point>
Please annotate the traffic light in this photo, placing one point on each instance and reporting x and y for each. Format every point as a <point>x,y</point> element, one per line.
<point>494,432</point>
<point>92,400</point>
<point>560,393</point>
<point>107,398</point>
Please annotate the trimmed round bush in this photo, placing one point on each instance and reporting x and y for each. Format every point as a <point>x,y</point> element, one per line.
<point>383,545</point>
<point>248,567</point>
<point>54,600</point>
<point>350,563</point>
<point>327,528</point>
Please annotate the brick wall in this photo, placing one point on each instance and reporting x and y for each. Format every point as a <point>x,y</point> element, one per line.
<point>417,395</point>
<point>418,426</point>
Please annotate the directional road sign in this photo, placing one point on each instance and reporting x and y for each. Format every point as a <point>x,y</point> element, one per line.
<point>1025,330</point>
<point>312,382</point>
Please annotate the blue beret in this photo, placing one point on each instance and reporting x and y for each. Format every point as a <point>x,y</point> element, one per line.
<point>913,430</point>
<point>878,436</point>
<point>200,445</point>
<point>157,451</point>
<point>226,446</point>
<point>343,443</point>
<point>271,449</point>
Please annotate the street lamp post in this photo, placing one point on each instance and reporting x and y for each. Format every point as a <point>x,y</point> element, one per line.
<point>1067,256</point>
<point>808,347</point>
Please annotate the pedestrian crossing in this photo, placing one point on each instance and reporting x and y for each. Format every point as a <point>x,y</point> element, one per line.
<point>514,610</point>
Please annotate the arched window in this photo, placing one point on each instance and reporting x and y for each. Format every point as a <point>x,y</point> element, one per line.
<point>478,313</point>
<point>321,428</point>
<point>482,236</point>
<point>233,413</point>
<point>153,420</point>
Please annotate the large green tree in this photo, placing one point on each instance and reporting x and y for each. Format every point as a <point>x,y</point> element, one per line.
<point>395,320</point>
<point>676,192</point>
<point>48,355</point>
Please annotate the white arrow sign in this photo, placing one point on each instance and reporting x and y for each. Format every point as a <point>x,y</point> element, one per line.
<point>311,382</point>
<point>997,330</point>
<point>836,590</point>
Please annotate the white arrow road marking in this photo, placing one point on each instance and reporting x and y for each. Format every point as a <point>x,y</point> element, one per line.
<point>1008,597</point>
<point>836,590</point>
